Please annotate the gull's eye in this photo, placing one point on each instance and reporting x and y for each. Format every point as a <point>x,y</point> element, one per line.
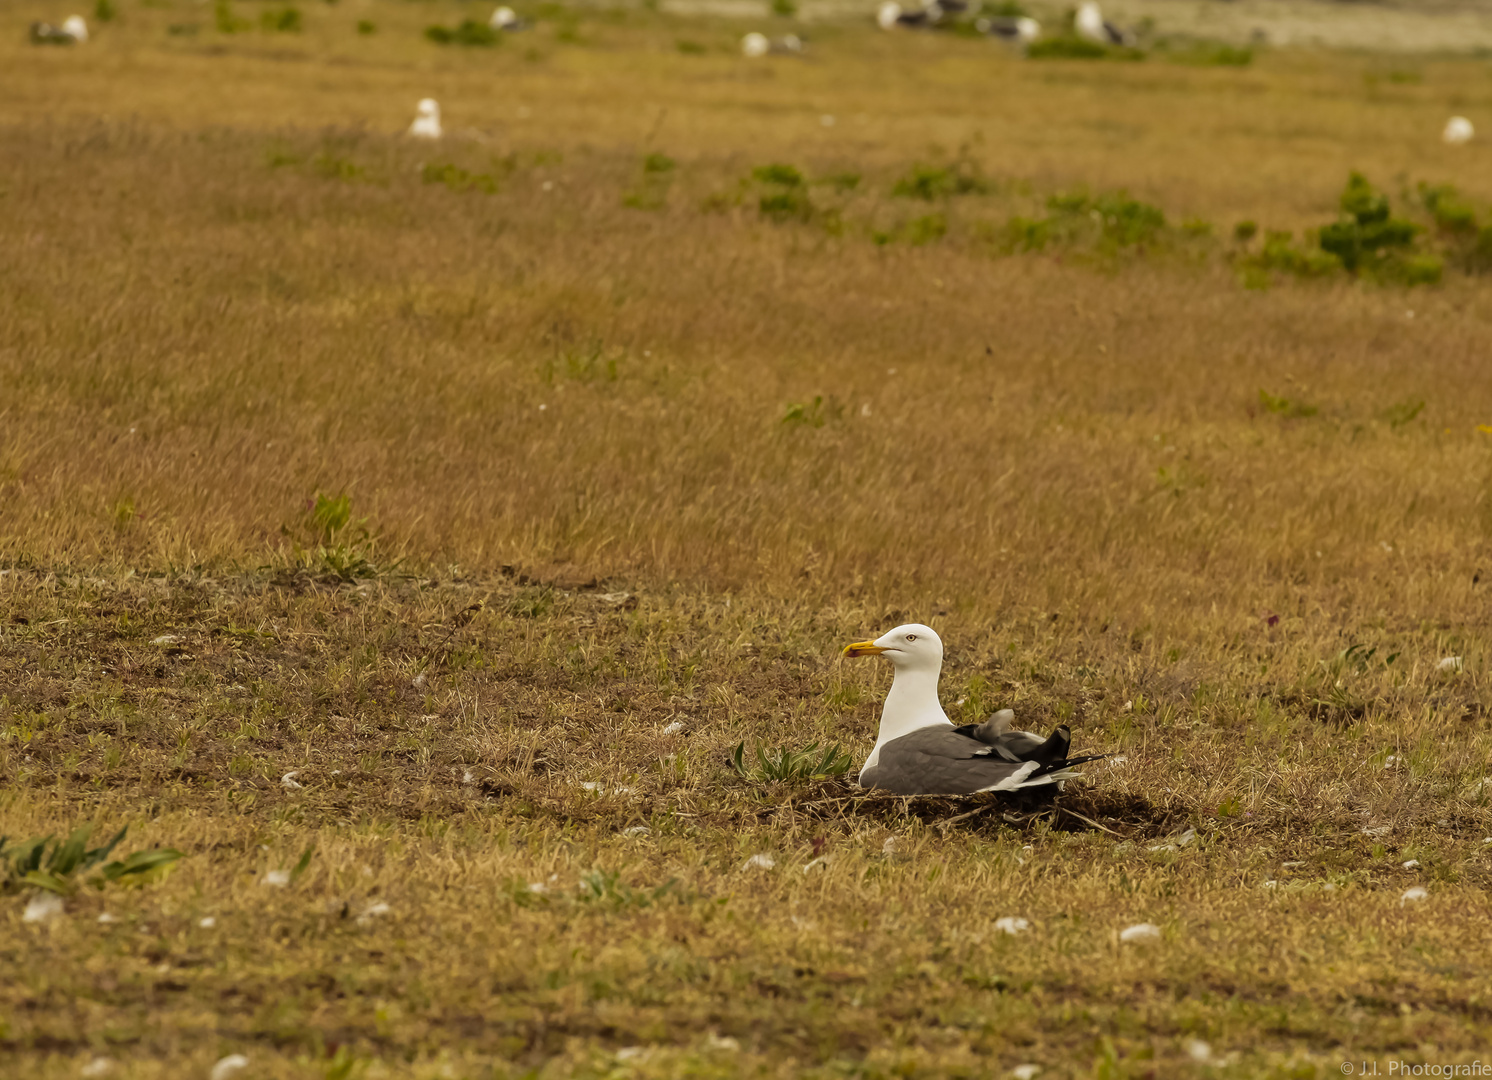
<point>911,637</point>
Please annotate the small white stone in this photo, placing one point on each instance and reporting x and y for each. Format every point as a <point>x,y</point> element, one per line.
<point>637,830</point>
<point>1025,1072</point>
<point>891,846</point>
<point>418,681</point>
<point>1450,663</point>
<point>1412,864</point>
<point>591,785</point>
<point>1377,830</point>
<point>1290,865</point>
<point>822,862</point>
<point>1140,932</point>
<point>632,1053</point>
<point>1414,893</point>
<point>43,907</point>
<point>1012,924</point>
<point>674,728</point>
<point>1128,706</point>
<point>229,1066</point>
<point>107,918</point>
<point>1270,884</point>
<point>719,1042</point>
<point>289,781</point>
<point>537,887</point>
<point>277,878</point>
<point>373,911</point>
<point>164,639</point>
<point>1118,760</point>
<point>759,862</point>
<point>207,922</point>
<point>1198,1050</point>
<point>99,1066</point>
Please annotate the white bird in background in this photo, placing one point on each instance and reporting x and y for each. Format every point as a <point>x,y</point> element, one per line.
<point>72,31</point>
<point>1091,24</point>
<point>755,45</point>
<point>1021,31</point>
<point>1458,130</point>
<point>890,15</point>
<point>505,18</point>
<point>427,123</point>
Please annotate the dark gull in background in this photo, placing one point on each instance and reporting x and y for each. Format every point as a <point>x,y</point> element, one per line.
<point>919,751</point>
<point>1017,31</point>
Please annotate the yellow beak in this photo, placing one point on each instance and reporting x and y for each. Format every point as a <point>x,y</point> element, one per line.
<point>863,648</point>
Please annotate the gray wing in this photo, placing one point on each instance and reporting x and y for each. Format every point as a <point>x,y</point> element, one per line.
<point>943,761</point>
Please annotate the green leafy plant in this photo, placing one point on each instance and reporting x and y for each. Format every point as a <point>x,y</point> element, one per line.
<point>105,11</point>
<point>651,192</point>
<point>607,887</point>
<point>815,413</point>
<point>62,866</point>
<point>226,22</point>
<point>928,182</point>
<point>1281,406</point>
<point>1072,47</point>
<point>458,179</point>
<point>284,20</point>
<point>467,32</point>
<point>785,763</point>
<point>336,545</point>
<point>784,9</point>
<point>786,192</point>
<point>365,27</point>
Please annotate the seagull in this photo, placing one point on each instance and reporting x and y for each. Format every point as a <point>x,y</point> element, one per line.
<point>505,18</point>
<point>890,15</point>
<point>918,751</point>
<point>1091,24</point>
<point>1458,130</point>
<point>1021,31</point>
<point>754,45</point>
<point>427,124</point>
<point>72,31</point>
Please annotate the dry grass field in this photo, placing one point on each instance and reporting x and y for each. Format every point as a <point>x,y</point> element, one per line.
<point>658,380</point>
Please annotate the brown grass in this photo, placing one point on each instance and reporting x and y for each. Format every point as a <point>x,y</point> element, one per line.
<point>231,288</point>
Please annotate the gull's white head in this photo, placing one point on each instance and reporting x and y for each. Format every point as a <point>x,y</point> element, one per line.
<point>427,123</point>
<point>503,18</point>
<point>754,45</point>
<point>912,647</point>
<point>1089,18</point>
<point>889,12</point>
<point>74,27</point>
<point>1458,130</point>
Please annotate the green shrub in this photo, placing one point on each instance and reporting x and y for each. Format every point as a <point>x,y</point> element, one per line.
<point>467,32</point>
<point>281,20</point>
<point>1072,47</point>
<point>105,11</point>
<point>928,182</point>
<point>785,175</point>
<point>458,179</point>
